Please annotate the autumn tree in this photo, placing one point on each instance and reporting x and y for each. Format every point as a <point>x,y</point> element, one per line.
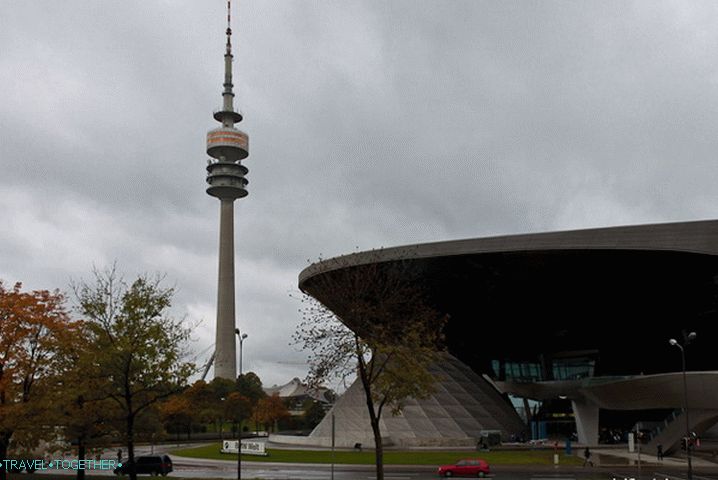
<point>270,410</point>
<point>34,327</point>
<point>139,349</point>
<point>371,320</point>
<point>178,414</point>
<point>201,396</point>
<point>237,408</point>
<point>79,407</point>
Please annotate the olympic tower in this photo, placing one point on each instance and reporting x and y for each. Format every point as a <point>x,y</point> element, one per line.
<point>227,146</point>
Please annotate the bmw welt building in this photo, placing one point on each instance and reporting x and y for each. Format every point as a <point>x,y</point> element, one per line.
<point>555,333</point>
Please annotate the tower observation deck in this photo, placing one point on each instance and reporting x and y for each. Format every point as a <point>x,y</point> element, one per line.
<point>227,146</point>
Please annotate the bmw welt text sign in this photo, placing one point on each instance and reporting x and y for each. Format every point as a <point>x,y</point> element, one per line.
<point>248,448</point>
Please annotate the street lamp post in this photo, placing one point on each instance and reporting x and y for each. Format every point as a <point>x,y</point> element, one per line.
<point>241,336</point>
<point>221,422</point>
<point>686,340</point>
<point>241,341</point>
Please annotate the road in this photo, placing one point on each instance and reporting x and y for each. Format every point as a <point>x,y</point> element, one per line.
<point>224,469</point>
<point>344,472</point>
<point>305,472</point>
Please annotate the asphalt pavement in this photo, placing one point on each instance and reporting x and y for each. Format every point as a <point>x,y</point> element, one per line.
<point>227,469</point>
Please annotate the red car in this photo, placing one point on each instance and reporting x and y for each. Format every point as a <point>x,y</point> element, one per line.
<point>468,467</point>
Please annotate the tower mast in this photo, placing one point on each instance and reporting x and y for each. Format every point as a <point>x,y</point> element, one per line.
<point>227,146</point>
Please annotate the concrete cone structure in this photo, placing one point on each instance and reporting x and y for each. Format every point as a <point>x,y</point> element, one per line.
<point>463,405</point>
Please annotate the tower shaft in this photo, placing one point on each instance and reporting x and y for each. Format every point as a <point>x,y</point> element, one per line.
<point>225,364</point>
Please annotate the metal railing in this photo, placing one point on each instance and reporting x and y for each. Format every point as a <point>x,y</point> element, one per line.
<point>666,422</point>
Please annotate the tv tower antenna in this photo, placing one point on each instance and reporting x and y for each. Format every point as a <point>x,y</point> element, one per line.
<point>227,146</point>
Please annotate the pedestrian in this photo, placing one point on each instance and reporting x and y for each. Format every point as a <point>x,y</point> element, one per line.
<point>587,457</point>
<point>659,452</point>
<point>119,456</point>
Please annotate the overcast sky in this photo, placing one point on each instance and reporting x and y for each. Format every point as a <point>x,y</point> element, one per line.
<point>371,123</point>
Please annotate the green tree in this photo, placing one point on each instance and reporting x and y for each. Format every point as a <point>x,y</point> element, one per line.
<point>313,413</point>
<point>149,425</point>
<point>373,321</point>
<point>250,385</point>
<point>138,348</point>
<point>221,388</point>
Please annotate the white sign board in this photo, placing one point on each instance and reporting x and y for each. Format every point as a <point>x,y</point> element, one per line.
<point>248,448</point>
<point>631,443</point>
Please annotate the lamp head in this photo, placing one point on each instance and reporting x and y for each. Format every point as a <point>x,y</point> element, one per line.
<point>691,336</point>
<point>244,335</point>
<point>673,342</point>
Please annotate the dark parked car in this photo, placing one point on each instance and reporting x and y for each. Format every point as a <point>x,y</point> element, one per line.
<point>468,467</point>
<point>152,464</point>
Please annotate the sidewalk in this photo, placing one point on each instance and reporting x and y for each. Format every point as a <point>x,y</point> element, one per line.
<point>653,460</point>
<point>646,460</point>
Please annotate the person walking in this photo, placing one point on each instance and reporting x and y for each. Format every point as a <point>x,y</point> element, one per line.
<point>119,456</point>
<point>659,452</point>
<point>587,457</point>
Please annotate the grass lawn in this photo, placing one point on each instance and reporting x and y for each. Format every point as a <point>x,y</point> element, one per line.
<point>391,457</point>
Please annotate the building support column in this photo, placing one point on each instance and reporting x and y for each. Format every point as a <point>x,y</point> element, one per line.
<point>527,410</point>
<point>586,414</point>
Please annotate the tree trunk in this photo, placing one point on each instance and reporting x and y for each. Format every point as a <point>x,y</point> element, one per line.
<point>131,446</point>
<point>81,456</point>
<point>374,416</point>
<point>378,449</point>
<point>4,442</point>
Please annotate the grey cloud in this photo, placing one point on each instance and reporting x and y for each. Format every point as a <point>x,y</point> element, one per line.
<point>371,124</point>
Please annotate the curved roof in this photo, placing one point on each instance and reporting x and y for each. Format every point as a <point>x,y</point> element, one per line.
<point>617,292</point>
<point>690,237</point>
<point>295,388</point>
